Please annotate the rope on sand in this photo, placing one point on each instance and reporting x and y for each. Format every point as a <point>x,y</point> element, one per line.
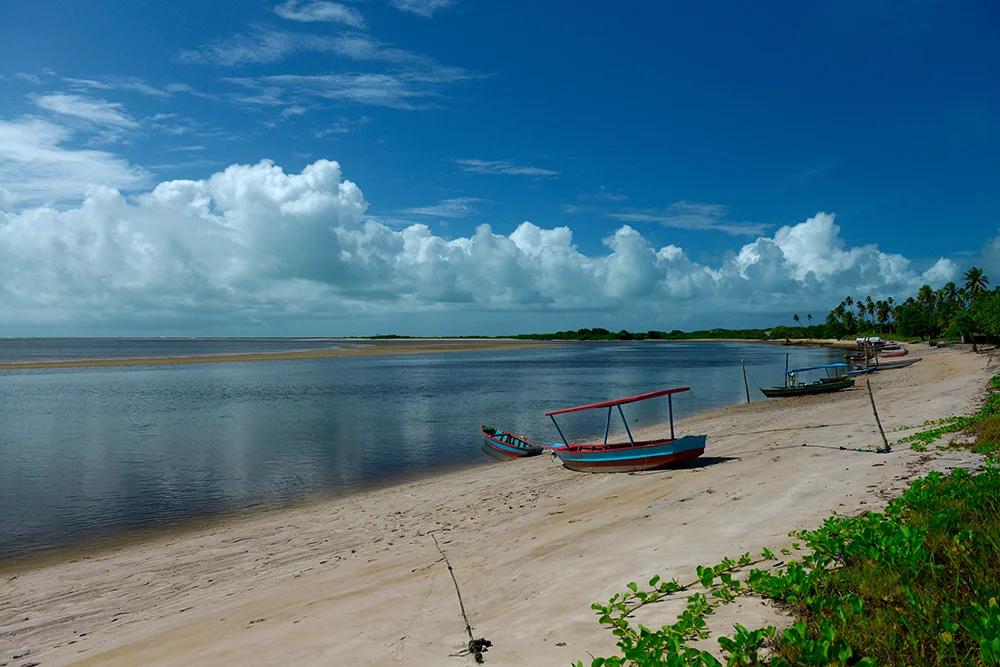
<point>476,646</point>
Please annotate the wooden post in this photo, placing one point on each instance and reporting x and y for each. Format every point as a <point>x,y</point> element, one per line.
<point>878,421</point>
<point>743,362</point>
<point>786,369</point>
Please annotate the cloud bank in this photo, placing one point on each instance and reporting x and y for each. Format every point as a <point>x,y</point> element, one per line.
<point>253,246</point>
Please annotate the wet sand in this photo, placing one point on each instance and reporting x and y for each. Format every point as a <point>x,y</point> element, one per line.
<point>359,580</point>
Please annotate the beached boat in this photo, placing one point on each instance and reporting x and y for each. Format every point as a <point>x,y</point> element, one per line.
<point>892,365</point>
<point>630,456</point>
<point>896,353</point>
<point>833,382</point>
<point>508,444</point>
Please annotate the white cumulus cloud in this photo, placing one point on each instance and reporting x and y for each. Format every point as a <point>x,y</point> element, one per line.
<point>252,246</point>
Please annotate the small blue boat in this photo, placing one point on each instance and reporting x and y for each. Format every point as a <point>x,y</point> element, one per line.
<point>508,444</point>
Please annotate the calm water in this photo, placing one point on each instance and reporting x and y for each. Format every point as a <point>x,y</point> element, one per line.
<point>92,452</point>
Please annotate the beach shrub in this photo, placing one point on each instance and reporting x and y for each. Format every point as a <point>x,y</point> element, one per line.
<point>916,584</point>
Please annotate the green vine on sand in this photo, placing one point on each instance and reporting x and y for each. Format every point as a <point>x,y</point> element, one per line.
<point>916,584</point>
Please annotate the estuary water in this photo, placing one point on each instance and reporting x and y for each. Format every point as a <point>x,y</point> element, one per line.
<point>91,453</point>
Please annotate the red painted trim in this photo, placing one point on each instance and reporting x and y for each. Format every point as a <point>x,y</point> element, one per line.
<point>619,401</point>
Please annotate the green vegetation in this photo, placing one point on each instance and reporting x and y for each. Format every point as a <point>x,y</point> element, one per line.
<point>916,584</point>
<point>952,312</point>
<point>775,333</point>
<point>981,426</point>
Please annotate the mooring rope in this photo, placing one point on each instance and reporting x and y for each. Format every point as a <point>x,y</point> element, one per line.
<point>476,646</point>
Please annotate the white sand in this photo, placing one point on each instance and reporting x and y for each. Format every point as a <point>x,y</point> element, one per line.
<point>358,581</point>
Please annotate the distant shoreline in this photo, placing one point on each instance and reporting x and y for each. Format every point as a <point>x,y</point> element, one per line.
<point>375,348</point>
<point>379,347</point>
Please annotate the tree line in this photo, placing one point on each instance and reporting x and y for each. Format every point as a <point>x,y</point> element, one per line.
<point>953,312</point>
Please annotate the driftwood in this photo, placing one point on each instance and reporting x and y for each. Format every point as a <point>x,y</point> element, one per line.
<point>476,647</point>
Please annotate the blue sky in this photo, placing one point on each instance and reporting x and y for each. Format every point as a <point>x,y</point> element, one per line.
<point>679,164</point>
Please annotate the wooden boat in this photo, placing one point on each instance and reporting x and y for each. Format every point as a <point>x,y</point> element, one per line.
<point>892,365</point>
<point>897,353</point>
<point>630,456</point>
<point>508,444</point>
<point>833,382</point>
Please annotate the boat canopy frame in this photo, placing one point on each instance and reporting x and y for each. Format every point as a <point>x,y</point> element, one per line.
<point>619,403</point>
<point>825,367</point>
<point>817,368</point>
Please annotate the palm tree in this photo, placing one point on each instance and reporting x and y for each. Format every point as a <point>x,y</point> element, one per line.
<point>832,320</point>
<point>950,292</point>
<point>975,281</point>
<point>883,311</point>
<point>849,323</point>
<point>925,295</point>
<point>810,318</point>
<point>795,318</point>
<point>870,307</point>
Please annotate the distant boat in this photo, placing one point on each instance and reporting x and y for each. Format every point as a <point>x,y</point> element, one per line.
<point>893,365</point>
<point>630,456</point>
<point>508,444</point>
<point>833,382</point>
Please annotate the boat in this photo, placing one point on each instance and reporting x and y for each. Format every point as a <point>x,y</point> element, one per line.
<point>630,455</point>
<point>833,382</point>
<point>897,353</point>
<point>862,371</point>
<point>508,444</point>
<point>892,365</point>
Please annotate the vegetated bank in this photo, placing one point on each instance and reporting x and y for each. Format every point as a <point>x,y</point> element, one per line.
<point>916,584</point>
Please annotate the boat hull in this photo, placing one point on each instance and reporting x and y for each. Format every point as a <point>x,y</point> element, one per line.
<point>896,364</point>
<point>623,457</point>
<point>808,389</point>
<point>508,444</point>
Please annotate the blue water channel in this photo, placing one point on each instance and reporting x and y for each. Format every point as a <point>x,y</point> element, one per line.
<point>90,453</point>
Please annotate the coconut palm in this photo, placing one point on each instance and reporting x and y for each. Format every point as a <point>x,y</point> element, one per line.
<point>795,318</point>
<point>925,295</point>
<point>883,311</point>
<point>849,322</point>
<point>950,292</point>
<point>975,281</point>
<point>810,318</point>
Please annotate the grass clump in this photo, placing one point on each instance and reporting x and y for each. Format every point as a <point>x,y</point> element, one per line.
<point>916,584</point>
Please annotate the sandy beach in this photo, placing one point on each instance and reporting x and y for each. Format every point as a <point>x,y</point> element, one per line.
<point>359,580</point>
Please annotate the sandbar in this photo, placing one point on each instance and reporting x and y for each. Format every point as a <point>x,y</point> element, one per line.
<point>356,349</point>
